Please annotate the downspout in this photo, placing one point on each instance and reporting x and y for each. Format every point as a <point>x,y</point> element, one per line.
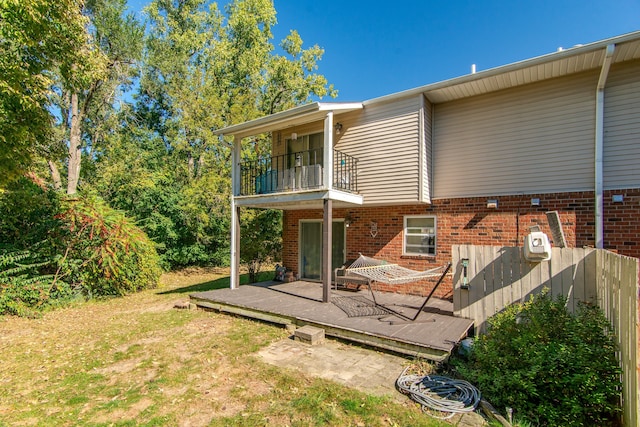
<point>599,143</point>
<point>421,150</point>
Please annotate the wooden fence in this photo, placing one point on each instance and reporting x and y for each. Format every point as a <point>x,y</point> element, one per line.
<point>498,276</point>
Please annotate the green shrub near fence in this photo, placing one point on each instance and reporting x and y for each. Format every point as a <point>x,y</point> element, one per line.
<point>552,367</point>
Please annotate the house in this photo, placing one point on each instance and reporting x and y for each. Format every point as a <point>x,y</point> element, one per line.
<point>477,159</point>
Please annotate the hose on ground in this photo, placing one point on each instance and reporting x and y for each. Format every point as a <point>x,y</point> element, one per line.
<point>438,393</point>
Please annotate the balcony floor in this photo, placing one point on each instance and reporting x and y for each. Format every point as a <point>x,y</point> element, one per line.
<point>303,199</point>
<point>433,335</point>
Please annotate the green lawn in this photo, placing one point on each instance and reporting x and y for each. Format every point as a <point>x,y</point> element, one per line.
<point>137,361</point>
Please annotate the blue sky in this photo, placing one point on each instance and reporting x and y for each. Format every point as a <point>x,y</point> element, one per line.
<point>374,48</point>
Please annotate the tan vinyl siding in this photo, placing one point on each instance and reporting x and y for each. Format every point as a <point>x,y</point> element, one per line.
<point>427,157</point>
<point>621,168</point>
<point>385,139</point>
<point>534,139</point>
<point>278,144</point>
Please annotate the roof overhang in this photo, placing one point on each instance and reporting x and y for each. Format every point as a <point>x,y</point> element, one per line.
<point>295,116</point>
<point>564,62</point>
<point>557,64</point>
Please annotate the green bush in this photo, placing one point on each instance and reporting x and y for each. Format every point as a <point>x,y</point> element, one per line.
<point>54,249</point>
<point>30,246</point>
<point>106,253</point>
<point>187,218</point>
<point>553,368</point>
<point>24,288</point>
<point>28,216</point>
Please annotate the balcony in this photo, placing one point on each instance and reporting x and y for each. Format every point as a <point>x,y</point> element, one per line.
<point>297,172</point>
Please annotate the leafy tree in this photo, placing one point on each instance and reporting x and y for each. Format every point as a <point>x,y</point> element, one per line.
<point>36,37</point>
<point>84,94</point>
<point>262,232</point>
<point>205,68</point>
<point>179,80</point>
<point>290,82</point>
<point>186,218</point>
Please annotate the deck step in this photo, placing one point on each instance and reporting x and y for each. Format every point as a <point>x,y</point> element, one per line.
<point>310,335</point>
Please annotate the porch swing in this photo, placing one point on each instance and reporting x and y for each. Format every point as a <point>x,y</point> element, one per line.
<point>367,270</point>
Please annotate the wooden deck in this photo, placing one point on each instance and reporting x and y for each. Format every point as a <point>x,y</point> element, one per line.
<point>432,335</point>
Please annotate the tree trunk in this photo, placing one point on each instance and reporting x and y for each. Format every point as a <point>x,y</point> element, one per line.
<point>190,165</point>
<point>75,145</point>
<point>200,165</point>
<point>55,175</point>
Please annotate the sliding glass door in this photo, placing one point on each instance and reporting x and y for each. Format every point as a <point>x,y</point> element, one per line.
<point>311,248</point>
<point>305,150</point>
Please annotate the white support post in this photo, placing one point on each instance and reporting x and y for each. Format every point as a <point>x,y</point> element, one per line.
<point>328,151</point>
<point>234,279</point>
<point>327,238</point>
<point>327,226</point>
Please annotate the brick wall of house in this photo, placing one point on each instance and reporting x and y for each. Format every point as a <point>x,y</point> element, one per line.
<point>469,221</point>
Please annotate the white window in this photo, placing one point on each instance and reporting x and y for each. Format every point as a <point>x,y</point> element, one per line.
<point>419,235</point>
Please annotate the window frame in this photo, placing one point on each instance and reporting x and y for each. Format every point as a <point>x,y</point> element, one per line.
<point>405,235</point>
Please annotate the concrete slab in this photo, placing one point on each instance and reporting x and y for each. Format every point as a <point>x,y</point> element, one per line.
<point>370,371</point>
<point>366,370</point>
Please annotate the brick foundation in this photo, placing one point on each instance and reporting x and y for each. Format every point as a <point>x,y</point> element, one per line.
<point>469,221</point>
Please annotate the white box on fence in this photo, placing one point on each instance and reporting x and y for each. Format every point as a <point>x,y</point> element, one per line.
<point>537,247</point>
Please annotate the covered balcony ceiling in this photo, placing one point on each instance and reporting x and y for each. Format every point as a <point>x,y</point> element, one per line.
<point>294,117</point>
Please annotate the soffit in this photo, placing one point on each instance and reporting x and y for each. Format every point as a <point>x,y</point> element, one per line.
<point>557,64</point>
<point>518,77</point>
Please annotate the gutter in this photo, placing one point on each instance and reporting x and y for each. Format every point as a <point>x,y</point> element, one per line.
<point>599,143</point>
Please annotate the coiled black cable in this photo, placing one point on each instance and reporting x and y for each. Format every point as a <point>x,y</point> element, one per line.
<point>439,393</point>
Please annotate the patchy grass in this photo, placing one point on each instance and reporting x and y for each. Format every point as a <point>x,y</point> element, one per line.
<point>137,361</point>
